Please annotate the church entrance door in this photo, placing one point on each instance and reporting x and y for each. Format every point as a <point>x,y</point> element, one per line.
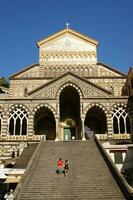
<point>69,134</point>
<point>69,129</point>
<point>70,114</point>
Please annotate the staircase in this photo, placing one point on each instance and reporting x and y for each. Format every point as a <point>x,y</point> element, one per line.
<point>26,155</point>
<point>88,177</point>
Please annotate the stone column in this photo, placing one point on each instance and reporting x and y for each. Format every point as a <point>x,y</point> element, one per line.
<point>131,122</point>
<point>57,128</point>
<point>109,125</point>
<point>83,128</point>
<point>58,108</point>
<point>30,128</point>
<point>4,125</point>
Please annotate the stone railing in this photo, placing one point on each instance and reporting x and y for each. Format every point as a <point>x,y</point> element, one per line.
<point>125,187</point>
<point>122,136</point>
<point>102,136</point>
<point>30,164</point>
<point>114,136</point>
<point>21,137</point>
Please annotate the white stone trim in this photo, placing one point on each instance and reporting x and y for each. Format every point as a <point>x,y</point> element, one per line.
<point>46,105</point>
<point>71,85</point>
<point>88,107</point>
<point>119,112</point>
<point>15,114</point>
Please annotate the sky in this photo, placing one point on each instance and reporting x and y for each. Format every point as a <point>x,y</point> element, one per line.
<point>25,22</point>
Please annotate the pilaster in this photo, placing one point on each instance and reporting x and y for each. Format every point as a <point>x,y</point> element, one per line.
<point>4,125</point>
<point>30,128</point>
<point>109,124</point>
<point>83,128</point>
<point>57,128</point>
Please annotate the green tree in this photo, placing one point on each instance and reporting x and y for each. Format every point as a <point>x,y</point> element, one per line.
<point>4,82</point>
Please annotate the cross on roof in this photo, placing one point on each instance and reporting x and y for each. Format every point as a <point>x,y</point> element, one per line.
<point>67,25</point>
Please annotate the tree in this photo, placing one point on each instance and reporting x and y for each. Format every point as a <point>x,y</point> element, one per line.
<point>4,82</point>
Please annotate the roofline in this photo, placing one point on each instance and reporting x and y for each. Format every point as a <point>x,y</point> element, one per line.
<point>112,68</point>
<point>67,30</point>
<point>23,70</point>
<point>44,85</point>
<point>37,64</point>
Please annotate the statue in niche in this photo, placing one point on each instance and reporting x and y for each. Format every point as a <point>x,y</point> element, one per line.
<point>25,92</point>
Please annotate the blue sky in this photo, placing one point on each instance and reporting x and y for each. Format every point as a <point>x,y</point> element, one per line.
<point>25,22</point>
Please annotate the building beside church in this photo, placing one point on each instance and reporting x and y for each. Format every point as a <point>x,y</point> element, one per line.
<point>67,95</point>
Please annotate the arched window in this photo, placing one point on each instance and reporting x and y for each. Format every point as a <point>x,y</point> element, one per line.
<point>120,120</point>
<point>18,121</point>
<point>0,122</point>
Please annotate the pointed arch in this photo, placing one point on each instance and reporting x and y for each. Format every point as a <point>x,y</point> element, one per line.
<point>69,107</point>
<point>95,120</point>
<point>97,105</point>
<point>44,122</point>
<point>71,85</point>
<point>120,119</point>
<point>18,120</point>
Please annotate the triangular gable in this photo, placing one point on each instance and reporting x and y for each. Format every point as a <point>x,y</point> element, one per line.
<point>25,72</point>
<point>64,31</point>
<point>109,71</point>
<point>88,89</point>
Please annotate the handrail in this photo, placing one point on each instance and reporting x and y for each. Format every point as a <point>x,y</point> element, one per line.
<point>125,187</point>
<point>26,173</point>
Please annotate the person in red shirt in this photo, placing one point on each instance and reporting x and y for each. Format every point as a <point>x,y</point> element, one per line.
<point>60,166</point>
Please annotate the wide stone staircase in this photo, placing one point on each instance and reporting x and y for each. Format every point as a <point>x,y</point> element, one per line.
<point>89,177</point>
<point>25,156</point>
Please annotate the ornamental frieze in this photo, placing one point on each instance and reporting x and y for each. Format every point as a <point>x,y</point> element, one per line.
<point>46,94</point>
<point>85,89</point>
<point>91,93</point>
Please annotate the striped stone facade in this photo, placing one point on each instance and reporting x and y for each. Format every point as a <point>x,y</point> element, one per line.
<point>67,80</point>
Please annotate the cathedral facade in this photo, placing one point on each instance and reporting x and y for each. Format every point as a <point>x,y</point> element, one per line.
<point>68,95</point>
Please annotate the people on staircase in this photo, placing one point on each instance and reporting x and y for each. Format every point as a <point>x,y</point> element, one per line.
<point>66,167</point>
<point>60,166</point>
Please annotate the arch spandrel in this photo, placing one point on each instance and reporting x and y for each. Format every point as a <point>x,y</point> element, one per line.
<point>2,110</point>
<point>85,88</point>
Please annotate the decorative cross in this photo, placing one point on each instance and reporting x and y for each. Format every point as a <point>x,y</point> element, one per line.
<point>67,25</point>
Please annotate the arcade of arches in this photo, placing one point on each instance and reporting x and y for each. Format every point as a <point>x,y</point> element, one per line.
<point>67,95</point>
<point>70,125</point>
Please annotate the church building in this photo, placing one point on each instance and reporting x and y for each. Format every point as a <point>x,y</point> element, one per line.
<point>67,95</point>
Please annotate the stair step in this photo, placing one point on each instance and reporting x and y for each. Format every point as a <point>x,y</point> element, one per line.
<point>88,177</point>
